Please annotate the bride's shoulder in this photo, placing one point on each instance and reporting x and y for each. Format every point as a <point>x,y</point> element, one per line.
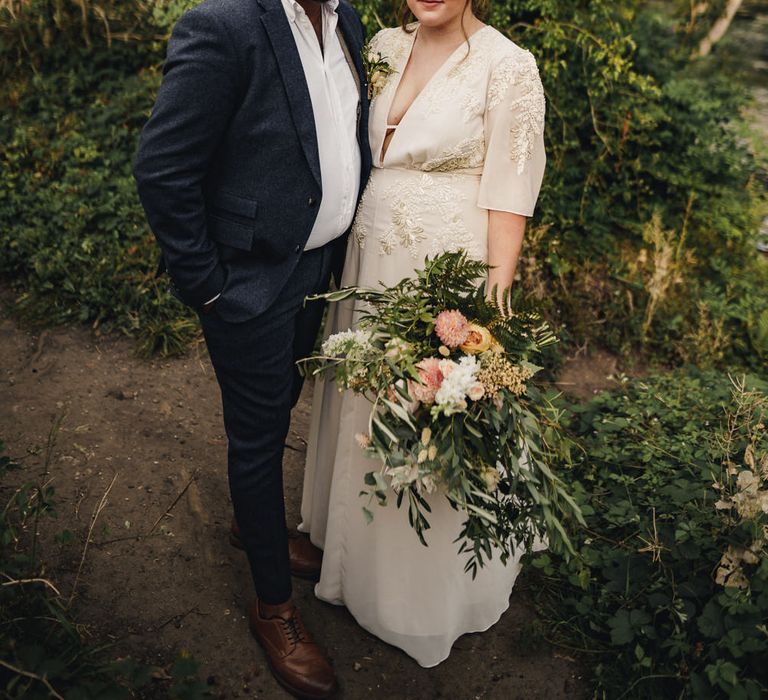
<point>390,41</point>
<point>509,65</point>
<point>501,50</point>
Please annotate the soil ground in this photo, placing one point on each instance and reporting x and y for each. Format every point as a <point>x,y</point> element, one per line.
<point>159,575</point>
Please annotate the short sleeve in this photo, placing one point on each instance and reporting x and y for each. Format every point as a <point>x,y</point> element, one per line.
<point>514,135</point>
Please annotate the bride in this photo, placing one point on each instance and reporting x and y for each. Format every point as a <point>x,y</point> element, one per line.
<point>458,148</point>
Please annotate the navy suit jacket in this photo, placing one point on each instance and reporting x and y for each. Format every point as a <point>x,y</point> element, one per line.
<point>228,169</point>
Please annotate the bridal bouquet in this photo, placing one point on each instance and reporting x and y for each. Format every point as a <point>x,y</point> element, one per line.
<point>453,414</point>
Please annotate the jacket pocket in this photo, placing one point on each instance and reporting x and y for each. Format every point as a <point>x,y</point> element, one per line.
<point>232,220</point>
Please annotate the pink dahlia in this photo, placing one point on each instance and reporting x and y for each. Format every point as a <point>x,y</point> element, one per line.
<point>452,328</point>
<point>430,379</point>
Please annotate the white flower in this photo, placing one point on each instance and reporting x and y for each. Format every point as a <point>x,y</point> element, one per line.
<point>347,343</point>
<point>403,477</point>
<point>447,366</point>
<point>456,386</point>
<point>363,440</point>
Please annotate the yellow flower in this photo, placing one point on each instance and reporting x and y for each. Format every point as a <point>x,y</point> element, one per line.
<point>479,340</point>
<point>377,82</point>
<point>491,477</point>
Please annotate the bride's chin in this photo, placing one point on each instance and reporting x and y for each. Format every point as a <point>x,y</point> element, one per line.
<point>430,20</point>
<point>435,19</point>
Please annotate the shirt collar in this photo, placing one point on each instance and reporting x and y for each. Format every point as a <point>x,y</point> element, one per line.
<point>292,7</point>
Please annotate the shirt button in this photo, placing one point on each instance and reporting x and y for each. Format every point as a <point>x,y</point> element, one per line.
<point>311,201</point>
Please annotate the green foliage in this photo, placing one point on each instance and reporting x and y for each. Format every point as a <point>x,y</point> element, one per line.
<point>636,132</point>
<point>74,240</point>
<point>42,651</point>
<point>669,589</point>
<point>37,34</point>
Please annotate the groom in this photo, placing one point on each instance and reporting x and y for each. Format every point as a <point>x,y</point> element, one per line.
<point>249,170</point>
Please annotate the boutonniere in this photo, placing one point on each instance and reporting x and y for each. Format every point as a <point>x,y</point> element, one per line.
<point>377,71</point>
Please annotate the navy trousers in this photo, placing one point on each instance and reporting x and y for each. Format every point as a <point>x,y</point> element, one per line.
<point>255,367</point>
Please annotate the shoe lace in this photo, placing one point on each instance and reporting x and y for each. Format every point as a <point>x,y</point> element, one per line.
<point>294,629</point>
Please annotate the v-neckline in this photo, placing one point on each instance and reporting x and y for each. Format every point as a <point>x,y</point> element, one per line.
<point>396,87</point>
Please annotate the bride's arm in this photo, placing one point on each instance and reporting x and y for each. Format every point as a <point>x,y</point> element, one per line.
<point>514,162</point>
<point>505,240</point>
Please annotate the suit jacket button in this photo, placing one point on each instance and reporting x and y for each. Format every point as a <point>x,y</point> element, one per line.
<point>311,201</point>
<point>297,249</point>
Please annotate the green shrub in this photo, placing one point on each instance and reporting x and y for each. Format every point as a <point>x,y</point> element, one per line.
<point>638,137</point>
<point>74,239</point>
<point>669,593</point>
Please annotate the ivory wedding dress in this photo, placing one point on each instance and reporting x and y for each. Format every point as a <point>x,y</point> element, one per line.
<point>471,141</point>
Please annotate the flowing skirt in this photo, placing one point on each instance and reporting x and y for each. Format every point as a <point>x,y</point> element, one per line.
<point>414,597</point>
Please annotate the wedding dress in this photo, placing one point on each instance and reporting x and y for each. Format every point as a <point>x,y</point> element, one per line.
<point>471,141</point>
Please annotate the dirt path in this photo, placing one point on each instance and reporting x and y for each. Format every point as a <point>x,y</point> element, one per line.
<point>156,428</point>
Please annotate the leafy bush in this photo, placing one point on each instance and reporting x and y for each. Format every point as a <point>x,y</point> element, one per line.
<point>73,236</point>
<point>644,226</point>
<point>42,653</point>
<point>669,592</point>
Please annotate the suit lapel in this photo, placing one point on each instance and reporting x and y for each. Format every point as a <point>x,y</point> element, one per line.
<point>292,74</point>
<point>354,49</point>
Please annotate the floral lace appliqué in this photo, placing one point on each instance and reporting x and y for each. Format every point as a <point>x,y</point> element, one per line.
<point>468,153</point>
<point>519,74</point>
<point>432,197</point>
<point>360,227</point>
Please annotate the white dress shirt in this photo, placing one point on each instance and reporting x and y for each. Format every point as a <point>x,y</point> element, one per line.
<point>335,99</point>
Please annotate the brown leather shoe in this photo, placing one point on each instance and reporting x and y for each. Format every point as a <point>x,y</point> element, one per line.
<point>294,659</point>
<point>306,559</point>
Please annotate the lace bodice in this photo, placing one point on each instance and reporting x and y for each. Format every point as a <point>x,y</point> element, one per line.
<point>482,112</point>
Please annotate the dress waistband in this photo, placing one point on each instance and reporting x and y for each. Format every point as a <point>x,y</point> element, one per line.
<point>468,172</point>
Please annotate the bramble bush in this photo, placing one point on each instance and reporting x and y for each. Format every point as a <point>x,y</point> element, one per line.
<point>668,594</point>
<point>643,239</point>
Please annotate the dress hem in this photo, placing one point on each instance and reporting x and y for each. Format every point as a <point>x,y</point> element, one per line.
<point>382,634</point>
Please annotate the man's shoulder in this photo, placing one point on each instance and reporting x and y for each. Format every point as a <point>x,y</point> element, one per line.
<point>232,14</point>
<point>346,8</point>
